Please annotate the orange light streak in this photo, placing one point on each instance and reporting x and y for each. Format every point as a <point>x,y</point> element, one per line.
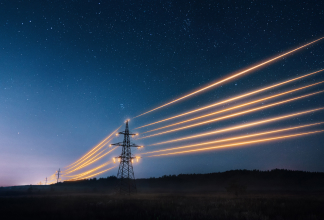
<point>233,99</point>
<point>239,126</point>
<point>86,177</point>
<point>235,107</point>
<point>235,138</point>
<point>90,171</point>
<point>240,143</point>
<point>90,157</point>
<point>232,115</point>
<point>234,76</point>
<point>94,148</point>
<point>98,157</point>
<point>90,162</point>
<point>94,159</point>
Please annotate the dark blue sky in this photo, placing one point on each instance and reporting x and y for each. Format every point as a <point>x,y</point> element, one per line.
<point>72,71</point>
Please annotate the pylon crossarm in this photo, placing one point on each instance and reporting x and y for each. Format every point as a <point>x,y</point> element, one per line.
<point>134,145</point>
<point>138,146</point>
<point>125,133</point>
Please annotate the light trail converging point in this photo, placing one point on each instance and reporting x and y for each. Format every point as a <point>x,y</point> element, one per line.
<point>235,107</point>
<point>234,75</point>
<point>72,169</point>
<point>76,175</point>
<point>234,138</point>
<point>239,144</point>
<point>86,177</point>
<point>96,148</point>
<point>232,115</point>
<point>91,162</point>
<point>233,99</point>
<point>89,157</point>
<point>88,172</point>
<point>238,127</point>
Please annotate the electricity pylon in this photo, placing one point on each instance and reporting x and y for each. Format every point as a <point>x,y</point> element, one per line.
<point>46,181</point>
<point>58,175</point>
<point>125,176</point>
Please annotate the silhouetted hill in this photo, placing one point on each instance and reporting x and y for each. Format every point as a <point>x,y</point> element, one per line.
<point>255,180</point>
<point>242,180</point>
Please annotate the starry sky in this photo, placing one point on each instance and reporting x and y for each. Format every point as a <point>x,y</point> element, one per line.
<point>71,72</point>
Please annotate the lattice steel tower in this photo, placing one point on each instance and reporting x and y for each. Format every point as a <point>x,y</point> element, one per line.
<point>58,175</point>
<point>125,176</point>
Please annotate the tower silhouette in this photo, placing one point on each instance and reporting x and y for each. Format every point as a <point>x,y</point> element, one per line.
<point>58,175</point>
<point>125,176</point>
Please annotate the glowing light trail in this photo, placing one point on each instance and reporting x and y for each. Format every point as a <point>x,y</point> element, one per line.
<point>233,99</point>
<point>88,172</point>
<point>90,162</point>
<point>90,157</point>
<point>235,107</point>
<point>232,115</point>
<point>94,159</point>
<point>239,126</point>
<point>96,148</point>
<point>235,138</point>
<point>86,177</point>
<point>241,143</point>
<point>84,163</point>
<point>87,158</point>
<point>234,76</point>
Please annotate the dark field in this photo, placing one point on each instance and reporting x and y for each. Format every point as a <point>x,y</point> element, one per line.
<point>238,194</point>
<point>164,206</point>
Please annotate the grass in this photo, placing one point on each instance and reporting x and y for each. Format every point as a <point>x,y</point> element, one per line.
<point>163,206</point>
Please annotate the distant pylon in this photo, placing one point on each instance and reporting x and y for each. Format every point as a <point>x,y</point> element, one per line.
<point>58,175</point>
<point>125,176</point>
<point>46,181</point>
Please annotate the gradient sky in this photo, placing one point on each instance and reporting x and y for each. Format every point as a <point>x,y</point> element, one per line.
<point>71,72</point>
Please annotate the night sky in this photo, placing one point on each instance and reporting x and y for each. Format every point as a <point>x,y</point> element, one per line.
<point>71,72</point>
